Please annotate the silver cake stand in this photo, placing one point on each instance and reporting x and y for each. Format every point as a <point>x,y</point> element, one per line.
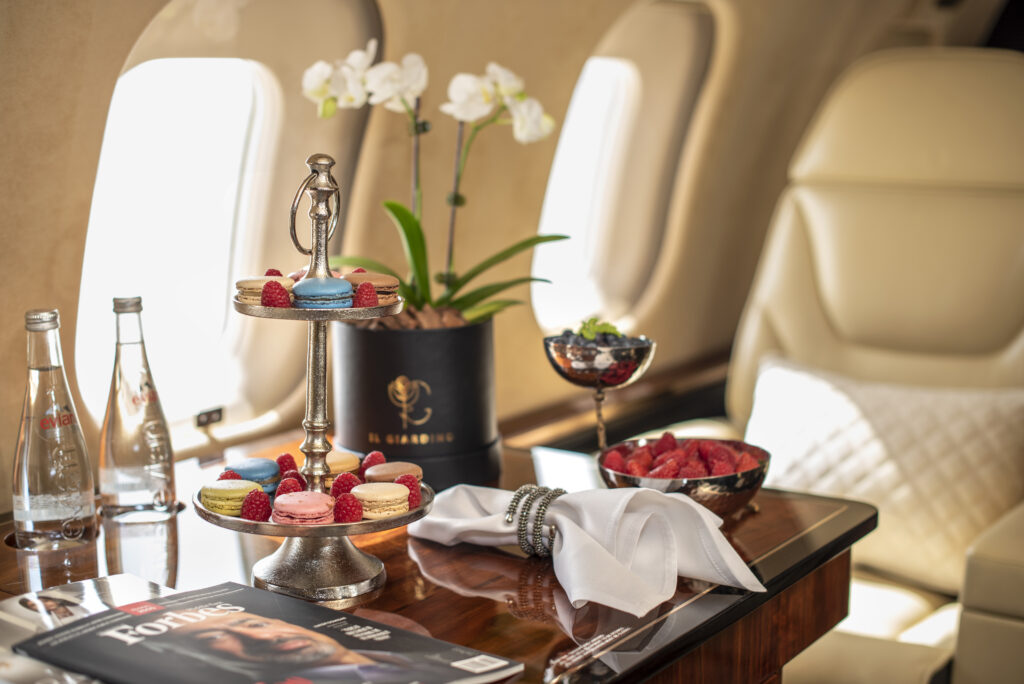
<point>318,562</point>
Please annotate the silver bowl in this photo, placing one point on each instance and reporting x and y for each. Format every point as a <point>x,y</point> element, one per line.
<point>724,495</point>
<point>599,366</point>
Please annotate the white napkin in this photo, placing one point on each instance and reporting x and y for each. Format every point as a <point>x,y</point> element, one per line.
<point>622,548</point>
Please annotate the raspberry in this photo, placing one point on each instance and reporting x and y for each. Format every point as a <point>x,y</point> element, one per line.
<point>371,459</point>
<point>636,468</point>
<point>746,462</point>
<point>410,481</point>
<point>614,461</point>
<point>359,270</point>
<point>275,295</point>
<point>343,484</point>
<point>256,506</point>
<point>365,295</point>
<point>287,486</point>
<point>692,469</point>
<point>666,443</point>
<point>286,462</point>
<point>347,509</point>
<point>273,272</point>
<point>295,475</point>
<point>229,474</point>
<point>667,470</point>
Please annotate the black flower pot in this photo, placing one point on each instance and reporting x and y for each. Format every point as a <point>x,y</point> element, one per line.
<point>425,396</point>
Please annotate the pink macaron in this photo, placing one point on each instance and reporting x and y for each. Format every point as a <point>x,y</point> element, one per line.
<point>303,508</point>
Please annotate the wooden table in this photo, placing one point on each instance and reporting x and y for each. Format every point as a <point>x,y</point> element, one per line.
<point>489,599</point>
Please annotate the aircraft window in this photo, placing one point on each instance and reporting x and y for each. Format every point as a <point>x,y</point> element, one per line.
<point>174,186</point>
<point>579,198</point>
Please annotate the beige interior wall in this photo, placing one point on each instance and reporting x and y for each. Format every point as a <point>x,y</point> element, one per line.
<point>59,60</point>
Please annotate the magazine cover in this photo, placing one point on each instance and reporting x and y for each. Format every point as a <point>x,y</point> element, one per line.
<point>41,611</point>
<point>233,633</point>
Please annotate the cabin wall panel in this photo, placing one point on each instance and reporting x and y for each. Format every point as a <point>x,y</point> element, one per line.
<point>59,61</point>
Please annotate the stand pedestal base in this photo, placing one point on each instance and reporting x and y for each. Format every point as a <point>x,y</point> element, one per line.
<point>321,569</point>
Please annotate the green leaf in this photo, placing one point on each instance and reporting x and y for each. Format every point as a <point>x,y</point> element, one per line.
<point>478,295</point>
<point>484,311</point>
<point>415,246</point>
<point>495,260</point>
<point>592,326</point>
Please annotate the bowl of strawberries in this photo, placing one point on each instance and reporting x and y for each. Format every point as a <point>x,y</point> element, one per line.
<point>720,474</point>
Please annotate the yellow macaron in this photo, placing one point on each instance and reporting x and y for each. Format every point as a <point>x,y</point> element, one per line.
<point>226,496</point>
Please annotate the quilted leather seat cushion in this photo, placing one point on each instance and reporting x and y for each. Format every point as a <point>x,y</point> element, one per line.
<point>940,464</point>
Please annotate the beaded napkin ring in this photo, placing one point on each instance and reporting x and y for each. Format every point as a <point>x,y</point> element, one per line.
<point>528,494</point>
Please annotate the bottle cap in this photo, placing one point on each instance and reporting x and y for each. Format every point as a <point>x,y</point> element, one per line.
<point>127,304</point>
<point>38,320</point>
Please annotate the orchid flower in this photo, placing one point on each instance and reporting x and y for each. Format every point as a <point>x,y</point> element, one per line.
<point>470,98</point>
<point>529,121</point>
<point>397,87</point>
<point>506,83</point>
<point>316,80</point>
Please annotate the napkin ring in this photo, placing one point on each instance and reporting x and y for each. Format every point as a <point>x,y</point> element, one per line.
<point>528,495</point>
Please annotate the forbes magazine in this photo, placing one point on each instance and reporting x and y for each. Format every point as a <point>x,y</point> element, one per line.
<point>233,633</point>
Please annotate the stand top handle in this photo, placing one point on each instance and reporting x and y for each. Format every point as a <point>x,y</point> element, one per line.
<point>321,186</point>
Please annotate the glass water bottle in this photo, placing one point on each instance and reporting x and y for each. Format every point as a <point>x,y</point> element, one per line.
<point>136,460</point>
<point>54,502</point>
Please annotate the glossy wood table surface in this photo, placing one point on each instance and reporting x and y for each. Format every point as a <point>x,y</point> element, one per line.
<point>496,601</point>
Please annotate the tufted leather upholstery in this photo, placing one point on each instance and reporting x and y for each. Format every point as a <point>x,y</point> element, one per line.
<point>897,251</point>
<point>896,254</point>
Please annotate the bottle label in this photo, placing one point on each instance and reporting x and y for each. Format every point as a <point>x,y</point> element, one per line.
<point>56,418</point>
<point>144,395</point>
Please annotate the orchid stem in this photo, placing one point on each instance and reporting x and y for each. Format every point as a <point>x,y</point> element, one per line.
<point>460,160</point>
<point>417,192</point>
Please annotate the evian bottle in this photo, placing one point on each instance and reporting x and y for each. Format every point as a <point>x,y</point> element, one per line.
<point>136,461</point>
<point>54,503</point>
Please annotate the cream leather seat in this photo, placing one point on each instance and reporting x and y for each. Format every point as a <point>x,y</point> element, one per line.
<point>892,275</point>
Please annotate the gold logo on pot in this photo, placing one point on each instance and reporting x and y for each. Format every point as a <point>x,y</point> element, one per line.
<point>404,393</point>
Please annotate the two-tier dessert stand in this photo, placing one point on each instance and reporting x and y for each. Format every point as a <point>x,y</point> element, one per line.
<point>318,562</point>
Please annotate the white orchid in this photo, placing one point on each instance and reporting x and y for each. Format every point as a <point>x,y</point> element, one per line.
<point>360,60</point>
<point>506,83</point>
<point>316,81</point>
<point>397,87</point>
<point>470,97</point>
<point>529,121</point>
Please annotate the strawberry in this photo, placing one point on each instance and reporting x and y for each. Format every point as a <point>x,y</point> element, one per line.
<point>690,448</point>
<point>229,474</point>
<point>365,295</point>
<point>343,484</point>
<point>286,462</point>
<point>359,270</point>
<point>746,462</point>
<point>677,455</point>
<point>275,295</point>
<point>287,486</point>
<point>643,456</point>
<point>371,459</point>
<point>636,468</point>
<point>347,509</point>
<point>717,454</point>
<point>256,506</point>
<point>273,272</point>
<point>667,442</point>
<point>410,481</point>
<point>722,468</point>
<point>691,469</point>
<point>668,470</point>
<point>295,475</point>
<point>614,461</point>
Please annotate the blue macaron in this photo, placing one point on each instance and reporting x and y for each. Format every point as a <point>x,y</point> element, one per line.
<point>263,471</point>
<point>322,293</point>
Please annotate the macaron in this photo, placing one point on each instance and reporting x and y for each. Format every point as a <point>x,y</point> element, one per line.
<point>382,499</point>
<point>226,496</point>
<point>385,285</point>
<point>304,508</point>
<point>250,290</point>
<point>263,471</point>
<point>387,472</point>
<point>342,462</point>
<point>322,293</point>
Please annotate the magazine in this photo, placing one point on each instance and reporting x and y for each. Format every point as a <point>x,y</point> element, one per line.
<point>37,612</point>
<point>233,633</point>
